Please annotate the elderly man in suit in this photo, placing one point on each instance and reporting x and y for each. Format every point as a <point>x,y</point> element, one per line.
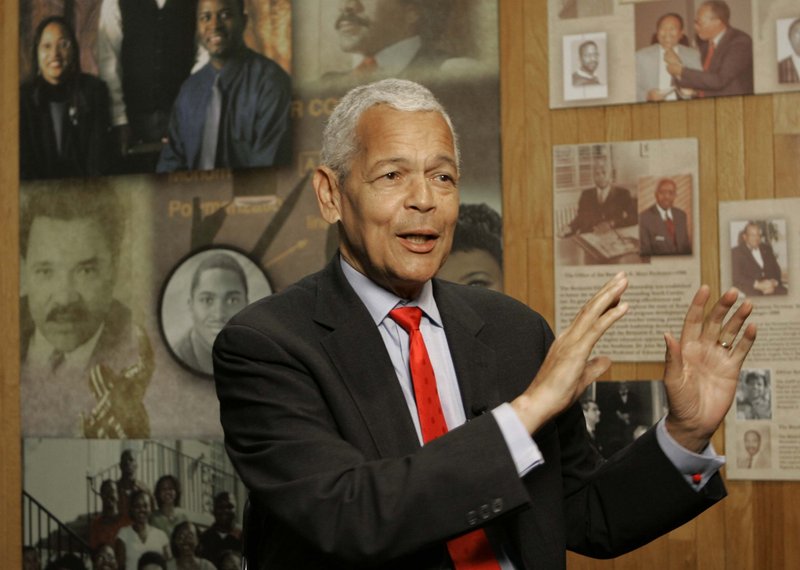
<point>726,52</point>
<point>653,81</point>
<point>789,67</point>
<point>754,266</point>
<point>663,228</point>
<point>383,418</point>
<point>603,207</point>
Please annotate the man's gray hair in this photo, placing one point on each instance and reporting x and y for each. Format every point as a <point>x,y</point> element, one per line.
<point>339,140</point>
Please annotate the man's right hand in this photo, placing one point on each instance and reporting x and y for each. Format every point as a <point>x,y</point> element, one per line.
<point>567,370</point>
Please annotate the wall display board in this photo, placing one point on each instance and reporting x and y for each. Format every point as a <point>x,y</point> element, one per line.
<point>629,206</point>
<point>626,51</point>
<point>760,255</point>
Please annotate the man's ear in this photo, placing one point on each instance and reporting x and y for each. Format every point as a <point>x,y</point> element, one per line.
<point>329,196</point>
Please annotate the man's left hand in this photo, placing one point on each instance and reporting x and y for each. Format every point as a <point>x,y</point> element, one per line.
<point>702,369</point>
<point>674,63</point>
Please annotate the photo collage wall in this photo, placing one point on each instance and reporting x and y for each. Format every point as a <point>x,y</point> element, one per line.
<point>166,164</point>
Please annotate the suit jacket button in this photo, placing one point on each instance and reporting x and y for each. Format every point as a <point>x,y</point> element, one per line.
<point>497,505</point>
<point>472,518</point>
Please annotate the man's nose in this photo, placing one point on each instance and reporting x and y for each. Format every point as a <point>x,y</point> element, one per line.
<point>420,194</point>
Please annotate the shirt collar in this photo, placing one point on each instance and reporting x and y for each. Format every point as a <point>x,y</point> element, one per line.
<point>380,301</point>
<point>395,58</point>
<point>664,213</point>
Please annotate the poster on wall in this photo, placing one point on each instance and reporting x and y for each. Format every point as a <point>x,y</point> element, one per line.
<point>123,276</point>
<point>669,50</point>
<point>116,87</point>
<point>760,255</point>
<point>619,412</point>
<point>633,207</point>
<point>183,494</point>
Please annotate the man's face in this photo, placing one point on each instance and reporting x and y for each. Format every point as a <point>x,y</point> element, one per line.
<point>54,53</point>
<point>665,194</point>
<point>141,508</point>
<point>706,24</point>
<point>185,540</point>
<point>590,58</point>
<point>752,442</point>
<point>68,275</point>
<point>399,204</point>
<point>104,558</point>
<point>601,171</point>
<point>219,295</point>
<point>794,36</point>
<point>752,236</point>
<point>474,267</point>
<point>669,32</point>
<point>108,493</point>
<point>368,26</point>
<point>220,28</point>
<point>757,387</point>
<point>225,511</point>
<point>592,414</point>
<point>127,464</point>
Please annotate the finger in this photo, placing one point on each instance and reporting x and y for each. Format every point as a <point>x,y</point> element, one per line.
<point>672,355</point>
<point>595,368</point>
<point>693,322</point>
<point>713,323</point>
<point>739,352</point>
<point>605,299</point>
<point>731,328</point>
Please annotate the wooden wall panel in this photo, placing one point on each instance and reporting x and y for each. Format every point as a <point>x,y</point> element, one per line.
<point>10,473</point>
<point>749,148</point>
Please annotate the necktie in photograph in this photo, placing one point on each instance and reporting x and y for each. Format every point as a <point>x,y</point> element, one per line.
<point>470,551</point>
<point>670,228</point>
<point>707,63</point>
<point>367,67</point>
<point>208,150</point>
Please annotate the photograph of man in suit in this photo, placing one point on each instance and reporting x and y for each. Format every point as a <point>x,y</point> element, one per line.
<point>754,266</point>
<point>234,111</point>
<point>589,58</point>
<point>317,386</point>
<point>653,81</point>
<point>603,207</point>
<point>77,340</point>
<point>789,67</point>
<point>754,457</point>
<point>663,228</point>
<point>726,53</point>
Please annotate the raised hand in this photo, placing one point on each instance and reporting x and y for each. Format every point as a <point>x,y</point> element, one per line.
<point>702,369</point>
<point>566,371</point>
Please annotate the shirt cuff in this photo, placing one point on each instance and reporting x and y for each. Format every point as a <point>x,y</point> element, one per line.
<point>696,468</point>
<point>523,448</point>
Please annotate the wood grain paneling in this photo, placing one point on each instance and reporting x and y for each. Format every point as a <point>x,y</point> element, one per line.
<point>749,148</point>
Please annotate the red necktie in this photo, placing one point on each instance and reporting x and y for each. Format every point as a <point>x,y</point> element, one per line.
<point>709,55</point>
<point>707,64</point>
<point>470,551</point>
<point>670,229</point>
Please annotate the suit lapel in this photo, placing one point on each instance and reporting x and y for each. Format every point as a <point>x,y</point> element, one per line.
<point>357,351</point>
<point>475,362</point>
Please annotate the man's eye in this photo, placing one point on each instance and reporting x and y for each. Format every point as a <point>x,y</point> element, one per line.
<point>392,176</point>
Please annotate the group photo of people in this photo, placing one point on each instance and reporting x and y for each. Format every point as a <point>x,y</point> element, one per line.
<point>132,504</point>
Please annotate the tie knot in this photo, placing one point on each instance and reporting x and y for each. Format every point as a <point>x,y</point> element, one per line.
<point>407,317</point>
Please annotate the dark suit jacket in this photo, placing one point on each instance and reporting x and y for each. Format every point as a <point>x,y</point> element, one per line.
<point>731,69</point>
<point>654,238</point>
<point>787,72</point>
<point>317,427</point>
<point>619,210</point>
<point>85,127</point>
<point>746,271</point>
